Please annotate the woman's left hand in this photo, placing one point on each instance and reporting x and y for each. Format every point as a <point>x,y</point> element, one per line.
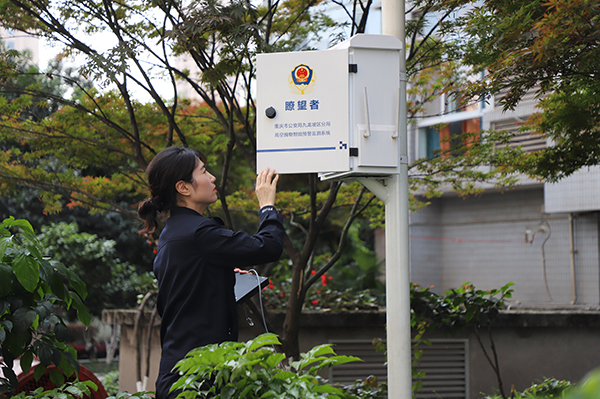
<point>238,270</point>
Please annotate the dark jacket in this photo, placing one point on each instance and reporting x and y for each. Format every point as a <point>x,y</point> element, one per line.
<point>194,267</point>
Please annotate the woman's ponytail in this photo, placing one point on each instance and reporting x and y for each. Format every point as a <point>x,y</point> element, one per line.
<point>148,214</point>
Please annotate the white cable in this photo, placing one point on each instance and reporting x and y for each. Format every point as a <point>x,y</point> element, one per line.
<point>262,312</point>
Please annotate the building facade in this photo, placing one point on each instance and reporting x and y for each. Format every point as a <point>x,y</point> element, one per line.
<point>541,236</point>
<point>21,41</point>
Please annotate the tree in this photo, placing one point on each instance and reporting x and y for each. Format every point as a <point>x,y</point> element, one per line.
<point>111,283</point>
<point>93,151</point>
<point>27,75</point>
<point>551,48</point>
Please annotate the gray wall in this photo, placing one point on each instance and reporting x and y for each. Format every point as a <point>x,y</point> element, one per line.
<point>482,240</point>
<point>534,346</point>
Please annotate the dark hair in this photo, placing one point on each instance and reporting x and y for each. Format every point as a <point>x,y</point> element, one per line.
<point>169,166</point>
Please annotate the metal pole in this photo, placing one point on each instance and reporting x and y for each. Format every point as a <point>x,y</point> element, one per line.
<point>396,234</point>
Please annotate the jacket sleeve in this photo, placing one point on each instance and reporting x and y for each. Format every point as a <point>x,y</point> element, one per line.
<point>224,247</point>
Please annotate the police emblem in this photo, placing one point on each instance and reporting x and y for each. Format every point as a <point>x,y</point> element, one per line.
<point>302,78</point>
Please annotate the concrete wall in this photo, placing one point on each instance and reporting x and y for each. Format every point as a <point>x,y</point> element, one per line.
<point>316,329</point>
<point>128,352</point>
<point>482,240</point>
<point>531,345</point>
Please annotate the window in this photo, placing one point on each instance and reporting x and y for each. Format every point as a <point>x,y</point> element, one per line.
<point>450,104</point>
<point>433,139</point>
<point>429,142</point>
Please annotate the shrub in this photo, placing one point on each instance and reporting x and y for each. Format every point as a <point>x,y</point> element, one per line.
<point>549,388</point>
<point>31,288</point>
<point>253,369</point>
<point>111,283</point>
<point>589,388</point>
<point>111,382</point>
<point>368,388</point>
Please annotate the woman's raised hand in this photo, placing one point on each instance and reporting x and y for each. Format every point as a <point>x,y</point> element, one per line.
<point>266,187</point>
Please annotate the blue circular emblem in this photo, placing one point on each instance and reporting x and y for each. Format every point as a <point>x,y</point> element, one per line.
<point>302,75</point>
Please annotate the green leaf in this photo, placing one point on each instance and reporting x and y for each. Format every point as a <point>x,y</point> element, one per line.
<point>39,371</point>
<point>25,226</point>
<point>46,271</point>
<point>326,388</point>
<point>274,360</point>
<point>27,271</point>
<point>69,364</point>
<point>59,288</point>
<point>4,244</point>
<point>470,314</point>
<point>61,332</point>
<point>285,374</point>
<point>41,311</point>
<point>6,278</point>
<point>44,353</point>
<point>6,324</point>
<point>35,252</point>
<point>83,313</point>
<point>60,268</point>
<point>26,360</point>
<point>57,377</point>
<point>90,384</point>
<point>23,318</point>
<point>56,356</point>
<point>77,284</point>
<point>263,340</point>
<point>75,391</point>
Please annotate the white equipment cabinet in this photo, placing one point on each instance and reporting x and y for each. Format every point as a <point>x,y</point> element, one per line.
<point>334,112</point>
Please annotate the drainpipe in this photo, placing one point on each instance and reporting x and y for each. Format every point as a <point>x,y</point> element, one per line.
<point>573,236</point>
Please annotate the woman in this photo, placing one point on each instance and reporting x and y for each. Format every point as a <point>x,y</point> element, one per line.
<point>197,256</point>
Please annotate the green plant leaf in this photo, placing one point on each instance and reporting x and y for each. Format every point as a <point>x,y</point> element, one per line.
<point>6,324</point>
<point>59,288</point>
<point>46,271</point>
<point>27,271</point>
<point>23,318</point>
<point>82,311</point>
<point>284,374</point>
<point>77,284</point>
<point>26,360</point>
<point>4,244</point>
<point>57,378</point>
<point>44,352</point>
<point>25,226</point>
<point>39,371</point>
<point>68,362</point>
<point>35,252</point>
<point>61,332</point>
<point>6,278</point>
<point>75,390</point>
<point>274,360</point>
<point>326,388</point>
<point>263,340</point>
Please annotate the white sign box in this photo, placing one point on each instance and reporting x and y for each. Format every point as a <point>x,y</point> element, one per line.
<point>333,112</point>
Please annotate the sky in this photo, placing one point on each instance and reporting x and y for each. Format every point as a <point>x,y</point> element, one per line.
<point>101,42</point>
